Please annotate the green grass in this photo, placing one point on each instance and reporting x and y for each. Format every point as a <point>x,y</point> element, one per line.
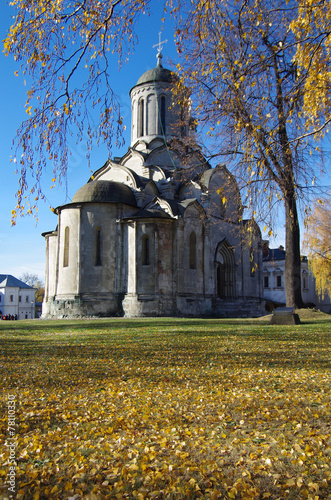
<point>168,408</point>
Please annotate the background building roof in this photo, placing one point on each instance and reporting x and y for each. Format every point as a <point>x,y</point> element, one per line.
<point>9,280</point>
<point>274,254</point>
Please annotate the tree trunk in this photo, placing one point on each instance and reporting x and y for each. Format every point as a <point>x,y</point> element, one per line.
<point>293,258</point>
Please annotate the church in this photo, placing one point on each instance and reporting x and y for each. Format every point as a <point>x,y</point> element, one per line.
<point>158,232</point>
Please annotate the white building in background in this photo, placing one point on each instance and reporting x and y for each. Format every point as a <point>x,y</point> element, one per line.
<point>16,298</point>
<point>274,281</point>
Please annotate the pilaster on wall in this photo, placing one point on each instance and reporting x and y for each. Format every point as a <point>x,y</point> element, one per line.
<point>79,250</point>
<point>208,268</point>
<point>132,258</point>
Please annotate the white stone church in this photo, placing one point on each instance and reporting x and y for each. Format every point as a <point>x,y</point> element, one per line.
<point>157,232</point>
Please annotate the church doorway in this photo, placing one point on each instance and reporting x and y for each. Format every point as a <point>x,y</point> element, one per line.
<point>225,271</point>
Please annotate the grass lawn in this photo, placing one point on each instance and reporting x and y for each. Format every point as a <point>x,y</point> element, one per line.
<point>166,409</point>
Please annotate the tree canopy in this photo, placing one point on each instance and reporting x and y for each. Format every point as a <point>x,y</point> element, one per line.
<point>250,84</point>
<point>65,50</point>
<point>318,243</point>
<point>312,28</point>
<point>33,281</point>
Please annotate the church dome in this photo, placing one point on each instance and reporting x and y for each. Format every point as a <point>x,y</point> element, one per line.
<point>105,192</point>
<point>158,74</point>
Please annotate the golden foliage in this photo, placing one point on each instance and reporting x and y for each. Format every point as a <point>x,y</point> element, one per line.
<point>239,61</point>
<point>318,243</point>
<point>66,53</point>
<point>312,28</point>
<point>165,409</point>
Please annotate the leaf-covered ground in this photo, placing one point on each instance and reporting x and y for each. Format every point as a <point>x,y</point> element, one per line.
<point>167,409</point>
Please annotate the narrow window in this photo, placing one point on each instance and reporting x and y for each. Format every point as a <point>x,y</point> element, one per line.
<point>12,298</point>
<point>27,298</point>
<point>279,281</point>
<point>145,250</point>
<point>163,115</point>
<point>266,282</point>
<point>98,247</point>
<point>193,251</point>
<point>66,247</point>
<point>141,117</point>
<point>20,298</point>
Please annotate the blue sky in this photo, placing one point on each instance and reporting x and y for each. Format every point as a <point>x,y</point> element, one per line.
<point>22,248</point>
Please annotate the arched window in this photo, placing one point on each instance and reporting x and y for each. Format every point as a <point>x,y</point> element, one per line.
<point>193,251</point>
<point>163,114</point>
<point>98,247</point>
<point>141,116</point>
<point>66,247</point>
<point>145,250</point>
<point>225,271</point>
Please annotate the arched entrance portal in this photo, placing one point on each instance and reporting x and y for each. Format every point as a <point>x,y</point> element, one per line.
<point>225,271</point>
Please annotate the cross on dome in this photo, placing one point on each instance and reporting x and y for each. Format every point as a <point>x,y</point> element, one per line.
<point>159,48</point>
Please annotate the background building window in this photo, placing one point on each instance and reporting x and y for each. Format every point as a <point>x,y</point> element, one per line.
<point>279,281</point>
<point>266,281</point>
<point>66,248</point>
<point>11,298</point>
<point>20,298</point>
<point>145,250</point>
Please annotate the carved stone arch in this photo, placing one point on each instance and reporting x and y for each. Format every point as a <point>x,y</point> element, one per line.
<point>151,189</point>
<point>159,204</point>
<point>189,189</point>
<point>224,193</point>
<point>164,157</point>
<point>225,271</point>
<point>118,173</point>
<point>193,207</point>
<point>156,173</point>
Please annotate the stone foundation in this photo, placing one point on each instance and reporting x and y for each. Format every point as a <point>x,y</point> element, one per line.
<point>134,306</point>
